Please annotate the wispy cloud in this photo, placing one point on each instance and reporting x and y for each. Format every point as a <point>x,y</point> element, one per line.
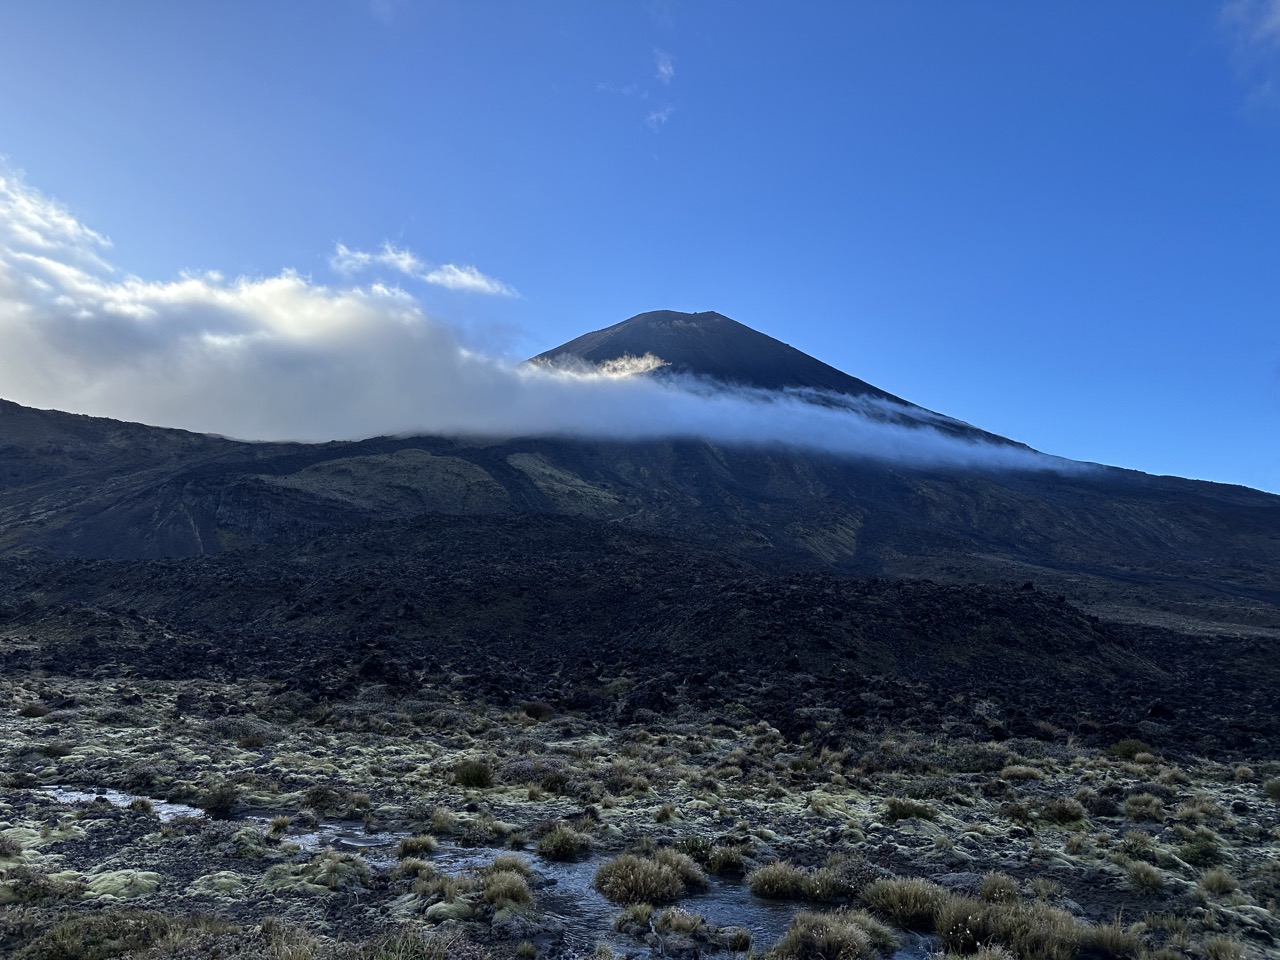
<point>664,70</point>
<point>283,357</point>
<point>657,119</point>
<point>1256,22</point>
<point>664,66</point>
<point>1254,29</point>
<point>463,277</point>
<point>348,263</point>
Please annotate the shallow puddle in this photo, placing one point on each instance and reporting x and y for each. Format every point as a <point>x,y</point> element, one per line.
<point>566,893</point>
<point>165,810</point>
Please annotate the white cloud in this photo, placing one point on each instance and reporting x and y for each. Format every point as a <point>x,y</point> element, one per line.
<point>348,262</point>
<point>283,357</point>
<point>657,119</point>
<point>664,66</point>
<point>463,277</point>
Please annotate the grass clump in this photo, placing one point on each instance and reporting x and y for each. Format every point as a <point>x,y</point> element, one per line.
<point>1272,789</point>
<point>9,847</point>
<point>1129,748</point>
<point>473,775</point>
<point>504,888</point>
<point>1112,941</point>
<point>685,868</point>
<point>725,861</point>
<point>1018,771</point>
<point>998,888</point>
<point>406,944</point>
<point>1143,876</point>
<point>841,935</point>
<point>1023,929</point>
<point>562,843</point>
<point>676,920</point>
<point>1217,881</point>
<point>107,934</point>
<point>901,808</point>
<point>220,800</point>
<point>629,879</point>
<point>1222,948</point>
<point>416,845</point>
<point>1202,849</point>
<point>1063,811</point>
<point>778,881</point>
<point>1144,806</point>
<point>511,863</point>
<point>909,902</point>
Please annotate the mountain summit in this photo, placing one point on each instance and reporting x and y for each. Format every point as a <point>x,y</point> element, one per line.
<point>712,345</point>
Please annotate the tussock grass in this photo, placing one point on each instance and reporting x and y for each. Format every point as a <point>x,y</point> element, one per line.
<point>507,888</point>
<point>562,843</point>
<point>683,865</point>
<point>1063,810</point>
<point>778,881</point>
<point>117,933</point>
<point>840,935</point>
<point>1143,876</point>
<point>473,774</point>
<point>1144,806</point>
<point>998,888</point>
<point>1018,771</point>
<point>677,920</point>
<point>901,808</point>
<point>1222,948</point>
<point>1217,881</point>
<point>909,902</point>
<point>1025,929</point>
<point>511,863</point>
<point>1112,941</point>
<point>725,861</point>
<point>1272,789</point>
<point>416,845</point>
<point>629,879</point>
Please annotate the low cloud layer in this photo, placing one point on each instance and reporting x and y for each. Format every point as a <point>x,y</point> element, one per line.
<point>285,357</point>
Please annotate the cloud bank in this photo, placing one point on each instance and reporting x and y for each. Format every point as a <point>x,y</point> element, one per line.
<point>285,357</point>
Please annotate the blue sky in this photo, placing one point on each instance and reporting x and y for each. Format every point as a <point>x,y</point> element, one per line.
<point>1058,221</point>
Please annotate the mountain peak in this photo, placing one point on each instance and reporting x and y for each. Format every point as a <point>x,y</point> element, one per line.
<point>711,345</point>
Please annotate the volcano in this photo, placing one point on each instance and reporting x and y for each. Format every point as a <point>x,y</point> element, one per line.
<point>717,350</point>
<point>1136,546</point>
<point>712,346</point>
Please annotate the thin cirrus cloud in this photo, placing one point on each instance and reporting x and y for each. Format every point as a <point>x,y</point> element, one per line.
<point>1253,28</point>
<point>664,70</point>
<point>452,276</point>
<point>284,357</point>
<point>1256,22</point>
<point>664,66</point>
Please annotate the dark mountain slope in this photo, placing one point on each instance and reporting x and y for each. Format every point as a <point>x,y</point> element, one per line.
<point>711,345</point>
<point>615,621</point>
<point>1157,550</point>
